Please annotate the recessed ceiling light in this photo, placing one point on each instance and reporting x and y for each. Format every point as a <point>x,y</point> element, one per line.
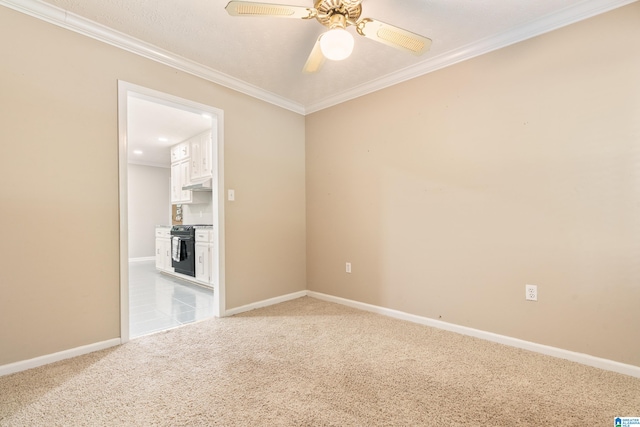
<point>162,139</point>
<point>138,152</point>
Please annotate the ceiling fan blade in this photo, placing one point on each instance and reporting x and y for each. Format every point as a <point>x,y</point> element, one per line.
<point>247,8</point>
<point>393,36</point>
<point>315,60</point>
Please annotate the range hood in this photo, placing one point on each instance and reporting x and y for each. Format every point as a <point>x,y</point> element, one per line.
<point>199,186</point>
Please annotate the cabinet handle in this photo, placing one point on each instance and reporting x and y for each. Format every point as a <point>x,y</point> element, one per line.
<point>200,259</point>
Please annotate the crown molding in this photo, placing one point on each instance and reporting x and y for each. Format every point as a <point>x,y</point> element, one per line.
<point>57,16</point>
<point>60,17</point>
<point>567,16</point>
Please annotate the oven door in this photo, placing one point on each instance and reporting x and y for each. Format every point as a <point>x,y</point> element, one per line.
<point>183,258</point>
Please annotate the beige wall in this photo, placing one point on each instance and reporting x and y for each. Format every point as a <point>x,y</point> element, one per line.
<point>454,191</point>
<point>59,280</point>
<point>450,192</point>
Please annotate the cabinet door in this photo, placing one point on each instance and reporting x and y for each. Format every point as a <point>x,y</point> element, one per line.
<point>180,178</point>
<point>179,152</point>
<point>163,254</point>
<point>184,149</point>
<point>202,262</point>
<point>185,179</point>
<point>205,156</point>
<point>175,153</point>
<point>167,254</point>
<point>176,183</point>
<point>196,150</point>
<point>160,254</point>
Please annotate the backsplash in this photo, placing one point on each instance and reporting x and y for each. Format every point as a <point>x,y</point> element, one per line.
<point>201,213</point>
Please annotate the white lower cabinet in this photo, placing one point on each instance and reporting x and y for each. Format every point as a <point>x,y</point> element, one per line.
<point>163,249</point>
<point>203,256</point>
<point>203,270</point>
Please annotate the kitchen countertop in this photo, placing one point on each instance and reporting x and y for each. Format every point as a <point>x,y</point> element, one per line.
<point>194,226</point>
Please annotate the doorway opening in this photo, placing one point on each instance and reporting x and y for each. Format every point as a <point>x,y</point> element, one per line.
<point>171,174</point>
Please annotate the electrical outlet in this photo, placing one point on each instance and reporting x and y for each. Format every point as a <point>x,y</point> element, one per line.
<point>531,292</point>
<point>348,267</point>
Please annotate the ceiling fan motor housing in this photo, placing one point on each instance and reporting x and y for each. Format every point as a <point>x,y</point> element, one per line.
<point>351,11</point>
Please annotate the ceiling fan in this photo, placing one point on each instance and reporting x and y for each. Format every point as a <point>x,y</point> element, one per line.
<point>337,43</point>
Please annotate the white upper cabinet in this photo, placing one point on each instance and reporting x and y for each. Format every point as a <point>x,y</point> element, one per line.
<point>180,151</point>
<point>185,173</point>
<point>176,188</point>
<point>190,163</point>
<point>195,158</point>
<point>201,156</point>
<point>180,172</point>
<point>206,168</point>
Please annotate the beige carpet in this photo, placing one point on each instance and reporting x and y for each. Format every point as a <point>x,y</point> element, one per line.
<point>311,363</point>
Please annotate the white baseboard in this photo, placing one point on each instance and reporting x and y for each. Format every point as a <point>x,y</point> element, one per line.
<point>585,359</point>
<point>23,365</point>
<point>142,259</point>
<point>265,303</point>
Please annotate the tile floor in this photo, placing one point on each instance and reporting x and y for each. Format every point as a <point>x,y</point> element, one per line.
<point>158,301</point>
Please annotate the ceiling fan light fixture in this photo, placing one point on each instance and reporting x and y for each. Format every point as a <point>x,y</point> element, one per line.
<point>336,44</point>
<point>336,15</point>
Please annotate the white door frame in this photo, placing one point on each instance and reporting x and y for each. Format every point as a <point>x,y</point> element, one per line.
<point>126,89</point>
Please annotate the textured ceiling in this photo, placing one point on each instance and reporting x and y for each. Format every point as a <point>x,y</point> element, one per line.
<point>269,53</point>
